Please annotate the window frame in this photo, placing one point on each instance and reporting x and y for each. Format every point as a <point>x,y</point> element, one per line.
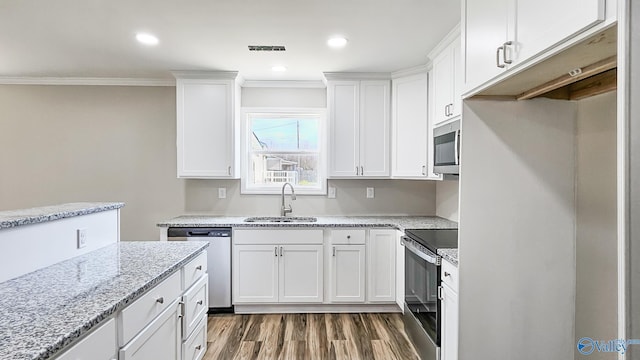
<point>247,113</point>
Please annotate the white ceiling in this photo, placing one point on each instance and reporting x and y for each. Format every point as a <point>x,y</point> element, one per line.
<point>96,38</point>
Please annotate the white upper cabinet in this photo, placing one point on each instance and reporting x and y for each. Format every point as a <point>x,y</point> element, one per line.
<point>358,127</point>
<point>447,94</point>
<point>499,34</point>
<point>410,139</point>
<point>207,137</point>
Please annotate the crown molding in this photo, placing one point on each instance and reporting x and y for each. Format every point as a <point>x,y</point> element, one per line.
<point>421,69</point>
<point>448,39</point>
<point>356,76</point>
<point>231,75</point>
<point>295,84</point>
<point>8,80</point>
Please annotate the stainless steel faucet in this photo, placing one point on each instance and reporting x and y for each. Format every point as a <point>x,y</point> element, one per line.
<point>286,210</point>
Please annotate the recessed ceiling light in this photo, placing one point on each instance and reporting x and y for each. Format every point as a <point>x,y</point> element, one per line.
<point>337,42</point>
<point>147,39</point>
<point>279,68</point>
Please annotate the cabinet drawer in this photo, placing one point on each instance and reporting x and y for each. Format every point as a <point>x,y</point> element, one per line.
<point>142,311</point>
<point>194,270</point>
<point>99,345</point>
<point>196,345</point>
<point>348,236</point>
<point>450,275</point>
<point>277,236</point>
<point>159,340</point>
<point>195,305</point>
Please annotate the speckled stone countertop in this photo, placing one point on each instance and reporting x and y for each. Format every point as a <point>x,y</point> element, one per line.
<point>13,218</point>
<point>397,222</point>
<point>450,255</point>
<point>43,311</point>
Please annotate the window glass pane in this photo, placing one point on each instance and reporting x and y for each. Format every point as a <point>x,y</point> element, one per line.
<point>289,134</point>
<point>275,169</point>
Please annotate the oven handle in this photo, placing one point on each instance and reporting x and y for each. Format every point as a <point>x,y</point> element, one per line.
<point>455,147</point>
<point>428,257</point>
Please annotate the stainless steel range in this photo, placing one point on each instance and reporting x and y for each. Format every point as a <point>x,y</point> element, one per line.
<point>422,307</point>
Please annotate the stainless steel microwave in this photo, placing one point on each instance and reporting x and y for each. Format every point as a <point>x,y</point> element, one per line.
<point>446,148</point>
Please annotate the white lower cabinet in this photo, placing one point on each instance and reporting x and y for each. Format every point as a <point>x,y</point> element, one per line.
<point>277,274</point>
<point>98,345</point>
<point>160,340</point>
<point>449,301</point>
<point>196,345</point>
<point>347,273</point>
<point>381,266</point>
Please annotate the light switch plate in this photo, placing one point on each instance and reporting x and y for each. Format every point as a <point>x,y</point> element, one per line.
<point>332,192</point>
<point>222,193</point>
<point>370,193</point>
<point>82,238</point>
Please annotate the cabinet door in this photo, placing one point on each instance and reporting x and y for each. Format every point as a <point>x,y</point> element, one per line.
<point>541,24</point>
<point>205,132</point>
<point>442,86</point>
<point>99,345</point>
<point>410,121</point>
<point>484,29</point>
<point>347,273</point>
<point>381,266</point>
<point>160,340</point>
<point>375,101</point>
<point>343,99</point>
<point>456,66</point>
<point>301,274</point>
<point>449,341</point>
<point>255,274</point>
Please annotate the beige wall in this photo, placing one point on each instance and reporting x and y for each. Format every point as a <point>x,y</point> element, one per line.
<point>447,195</point>
<point>110,143</point>
<point>596,230</point>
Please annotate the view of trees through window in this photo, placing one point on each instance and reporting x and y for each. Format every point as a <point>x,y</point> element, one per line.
<point>284,149</point>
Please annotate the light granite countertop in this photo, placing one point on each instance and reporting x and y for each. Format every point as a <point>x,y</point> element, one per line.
<point>13,218</point>
<point>397,222</point>
<point>46,310</point>
<point>450,255</point>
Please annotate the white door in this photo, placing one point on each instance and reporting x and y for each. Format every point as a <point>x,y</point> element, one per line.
<point>161,340</point>
<point>301,274</point>
<point>255,274</point>
<point>381,266</point>
<point>410,124</point>
<point>205,128</point>
<point>449,341</point>
<point>484,29</point>
<point>347,273</point>
<point>541,24</point>
<point>375,101</point>
<point>343,99</point>
<point>442,86</point>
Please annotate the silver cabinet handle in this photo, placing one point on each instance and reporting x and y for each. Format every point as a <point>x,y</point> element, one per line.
<point>446,274</point>
<point>276,250</point>
<point>334,251</point>
<point>198,347</point>
<point>440,293</point>
<point>424,169</point>
<point>456,145</point>
<point>361,170</point>
<point>199,302</point>
<point>199,267</point>
<point>504,52</point>
<point>357,171</point>
<point>229,170</point>
<point>498,57</point>
<point>281,251</point>
<point>348,236</point>
<point>160,300</point>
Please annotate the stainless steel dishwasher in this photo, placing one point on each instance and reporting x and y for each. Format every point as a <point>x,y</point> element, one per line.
<point>218,262</point>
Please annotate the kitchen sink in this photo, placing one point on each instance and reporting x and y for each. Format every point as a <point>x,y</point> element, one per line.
<point>280,219</point>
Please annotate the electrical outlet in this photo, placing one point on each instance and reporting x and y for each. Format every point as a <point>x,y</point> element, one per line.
<point>332,192</point>
<point>370,193</point>
<point>222,193</point>
<point>82,238</point>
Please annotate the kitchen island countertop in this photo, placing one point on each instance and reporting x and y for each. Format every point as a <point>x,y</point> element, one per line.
<point>13,218</point>
<point>43,312</point>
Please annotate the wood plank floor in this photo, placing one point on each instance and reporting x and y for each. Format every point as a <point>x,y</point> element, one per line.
<point>308,336</point>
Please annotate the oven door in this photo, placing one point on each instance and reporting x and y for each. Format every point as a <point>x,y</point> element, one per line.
<point>422,277</point>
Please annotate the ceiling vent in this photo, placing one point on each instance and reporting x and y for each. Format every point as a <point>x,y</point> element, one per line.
<point>266,48</point>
